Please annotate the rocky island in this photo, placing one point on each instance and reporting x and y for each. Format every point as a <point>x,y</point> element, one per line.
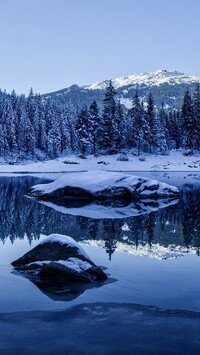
<point>59,258</point>
<point>102,186</point>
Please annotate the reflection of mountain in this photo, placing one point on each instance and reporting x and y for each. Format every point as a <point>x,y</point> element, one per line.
<point>155,251</point>
<point>177,225</point>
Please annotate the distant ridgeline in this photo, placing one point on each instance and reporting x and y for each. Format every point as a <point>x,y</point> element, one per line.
<point>147,113</point>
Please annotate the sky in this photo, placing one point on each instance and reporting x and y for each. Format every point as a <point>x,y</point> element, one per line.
<point>51,44</point>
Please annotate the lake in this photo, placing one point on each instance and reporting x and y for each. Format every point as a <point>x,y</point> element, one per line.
<point>152,258</point>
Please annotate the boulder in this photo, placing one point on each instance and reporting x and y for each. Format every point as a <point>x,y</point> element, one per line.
<point>102,185</point>
<point>59,258</point>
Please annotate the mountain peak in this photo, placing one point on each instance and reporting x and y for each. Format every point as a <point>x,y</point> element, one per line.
<point>159,77</point>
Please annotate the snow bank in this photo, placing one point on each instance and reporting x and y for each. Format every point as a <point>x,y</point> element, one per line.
<point>175,161</point>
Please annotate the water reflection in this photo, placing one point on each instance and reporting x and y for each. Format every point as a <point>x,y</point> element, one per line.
<point>62,291</point>
<point>175,229</point>
<point>111,209</point>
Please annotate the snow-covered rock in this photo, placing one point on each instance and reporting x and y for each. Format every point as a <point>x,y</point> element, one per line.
<point>102,185</point>
<point>59,258</point>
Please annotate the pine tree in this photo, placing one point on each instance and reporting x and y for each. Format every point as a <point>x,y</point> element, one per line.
<point>150,118</point>
<point>42,130</point>
<point>94,121</point>
<point>162,130</point>
<point>196,107</point>
<point>54,140</point>
<point>120,128</point>
<point>31,106</point>
<point>188,121</point>
<point>82,127</point>
<point>8,120</point>
<point>139,124</point>
<point>107,129</point>
<point>26,138</point>
<point>65,131</point>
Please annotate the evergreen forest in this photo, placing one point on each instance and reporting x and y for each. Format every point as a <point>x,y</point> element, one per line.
<point>38,128</point>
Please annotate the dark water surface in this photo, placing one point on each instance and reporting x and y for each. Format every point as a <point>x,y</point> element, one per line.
<point>154,257</point>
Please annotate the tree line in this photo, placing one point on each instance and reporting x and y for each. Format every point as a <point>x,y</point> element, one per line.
<point>34,127</point>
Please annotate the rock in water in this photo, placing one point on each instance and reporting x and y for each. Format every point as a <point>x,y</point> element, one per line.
<point>102,185</point>
<point>59,258</point>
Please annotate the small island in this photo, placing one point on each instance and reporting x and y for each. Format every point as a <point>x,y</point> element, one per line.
<point>59,258</point>
<point>103,186</point>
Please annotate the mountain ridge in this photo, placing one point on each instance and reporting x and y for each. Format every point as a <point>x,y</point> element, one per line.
<point>156,78</point>
<point>166,86</point>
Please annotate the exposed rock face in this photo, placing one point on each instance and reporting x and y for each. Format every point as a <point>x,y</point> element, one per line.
<point>102,185</point>
<point>59,258</point>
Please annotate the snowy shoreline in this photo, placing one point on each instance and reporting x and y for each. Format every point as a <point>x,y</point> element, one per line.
<point>174,162</point>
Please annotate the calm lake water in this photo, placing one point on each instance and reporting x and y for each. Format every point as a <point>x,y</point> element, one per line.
<point>153,258</point>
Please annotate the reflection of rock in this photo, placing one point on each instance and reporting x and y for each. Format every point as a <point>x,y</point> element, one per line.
<point>59,258</point>
<point>102,185</point>
<point>100,210</point>
<point>63,291</point>
<point>59,292</point>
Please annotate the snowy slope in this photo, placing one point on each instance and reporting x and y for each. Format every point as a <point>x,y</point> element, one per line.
<point>156,78</point>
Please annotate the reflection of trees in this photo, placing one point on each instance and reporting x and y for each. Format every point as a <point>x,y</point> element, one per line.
<point>110,246</point>
<point>191,216</point>
<point>150,225</point>
<point>21,216</point>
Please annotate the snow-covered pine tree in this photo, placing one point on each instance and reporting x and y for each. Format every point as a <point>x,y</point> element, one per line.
<point>150,118</point>
<point>94,122</point>
<point>107,129</point>
<point>159,135</point>
<point>120,136</point>
<point>26,137</point>
<point>188,121</point>
<point>31,106</point>
<point>196,109</point>
<point>82,127</point>
<point>163,132</point>
<point>139,123</point>
<point>8,120</point>
<point>65,132</point>
<point>41,130</point>
<point>54,134</point>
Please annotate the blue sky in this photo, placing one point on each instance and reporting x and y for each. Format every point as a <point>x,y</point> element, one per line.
<point>51,44</point>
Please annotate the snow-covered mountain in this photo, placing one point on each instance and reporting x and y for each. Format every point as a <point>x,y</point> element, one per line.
<point>165,86</point>
<point>156,78</point>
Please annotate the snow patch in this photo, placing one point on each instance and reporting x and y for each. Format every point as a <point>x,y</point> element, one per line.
<point>64,239</point>
<point>74,264</point>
